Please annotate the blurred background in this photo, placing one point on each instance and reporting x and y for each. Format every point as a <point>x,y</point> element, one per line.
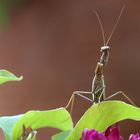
<point>55,45</point>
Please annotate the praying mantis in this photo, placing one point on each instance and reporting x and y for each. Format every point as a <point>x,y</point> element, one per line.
<point>98,83</point>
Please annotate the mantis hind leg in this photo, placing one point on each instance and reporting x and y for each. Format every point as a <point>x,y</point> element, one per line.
<point>79,93</point>
<point>123,94</point>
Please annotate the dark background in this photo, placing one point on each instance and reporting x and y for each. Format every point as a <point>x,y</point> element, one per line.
<point>55,46</point>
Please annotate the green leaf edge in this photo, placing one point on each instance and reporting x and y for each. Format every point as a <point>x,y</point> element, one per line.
<point>63,125</point>
<point>7,76</point>
<point>6,124</point>
<point>62,135</point>
<point>99,122</point>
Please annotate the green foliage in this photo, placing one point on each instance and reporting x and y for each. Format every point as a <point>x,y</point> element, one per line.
<point>12,126</point>
<point>57,118</point>
<point>102,115</point>
<point>61,136</point>
<point>98,116</point>
<point>7,123</point>
<point>6,76</point>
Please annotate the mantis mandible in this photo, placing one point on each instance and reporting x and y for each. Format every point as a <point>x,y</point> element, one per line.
<point>98,84</point>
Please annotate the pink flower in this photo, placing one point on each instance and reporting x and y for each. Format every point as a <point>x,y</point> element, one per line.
<point>92,135</point>
<point>113,133</point>
<point>110,134</point>
<point>134,137</point>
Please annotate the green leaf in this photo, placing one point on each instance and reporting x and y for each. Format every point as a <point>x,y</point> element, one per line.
<point>7,123</point>
<point>61,136</point>
<point>57,118</point>
<point>6,76</point>
<point>102,115</point>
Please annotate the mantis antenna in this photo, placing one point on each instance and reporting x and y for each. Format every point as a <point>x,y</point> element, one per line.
<point>101,26</point>
<point>114,27</point>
